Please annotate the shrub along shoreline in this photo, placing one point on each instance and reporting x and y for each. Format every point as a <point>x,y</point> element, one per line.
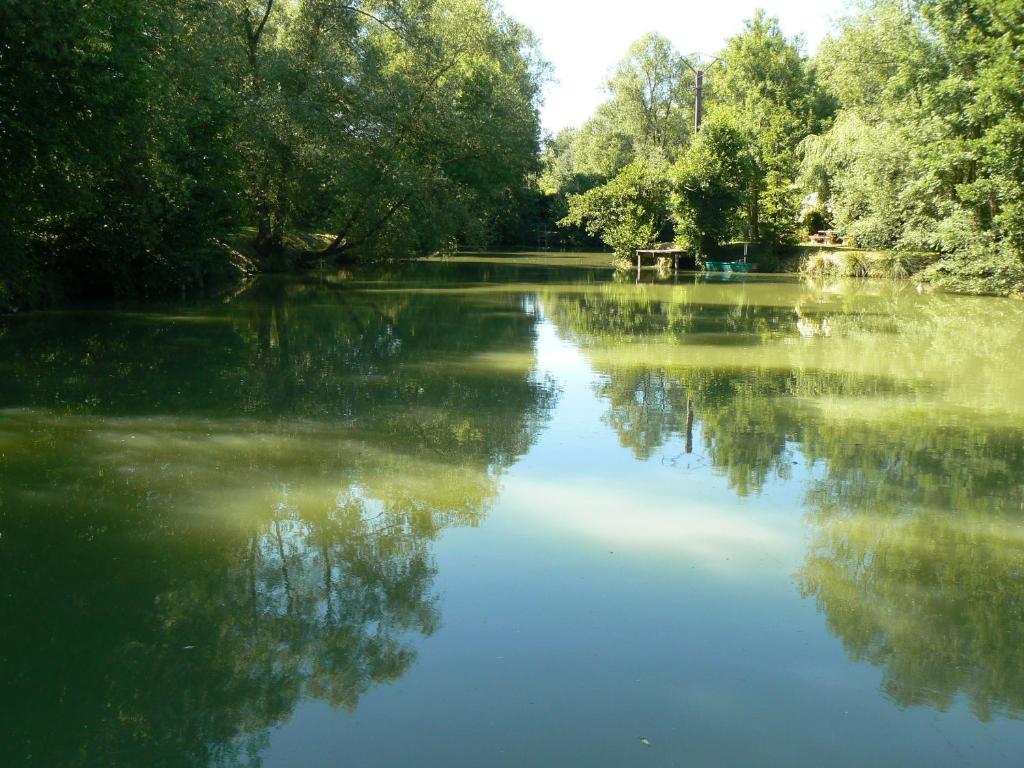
<point>829,262</point>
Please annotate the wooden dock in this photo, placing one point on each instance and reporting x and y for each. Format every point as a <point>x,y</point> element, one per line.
<point>688,260</point>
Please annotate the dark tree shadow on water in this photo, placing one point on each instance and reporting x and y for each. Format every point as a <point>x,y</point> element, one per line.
<point>208,517</point>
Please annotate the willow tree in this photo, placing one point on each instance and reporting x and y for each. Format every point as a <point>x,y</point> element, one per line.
<point>925,155</point>
<point>139,137</point>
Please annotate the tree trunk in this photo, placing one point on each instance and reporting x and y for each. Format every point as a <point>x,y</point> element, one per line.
<point>342,243</point>
<point>754,215</point>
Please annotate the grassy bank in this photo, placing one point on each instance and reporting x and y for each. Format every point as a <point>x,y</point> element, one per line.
<point>998,274</point>
<point>853,262</point>
<point>985,274</point>
<point>992,274</point>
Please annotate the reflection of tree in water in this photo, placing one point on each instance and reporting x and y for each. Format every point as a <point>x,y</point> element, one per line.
<point>917,558</point>
<point>743,438</point>
<point>646,408</point>
<point>196,545</point>
<point>742,412</point>
<point>917,555</point>
<point>180,646</point>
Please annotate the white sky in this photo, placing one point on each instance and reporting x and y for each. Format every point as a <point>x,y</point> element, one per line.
<point>584,39</point>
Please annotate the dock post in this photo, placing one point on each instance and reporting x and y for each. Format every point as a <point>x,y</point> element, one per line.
<point>689,425</point>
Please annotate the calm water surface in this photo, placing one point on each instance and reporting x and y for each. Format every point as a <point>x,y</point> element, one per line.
<point>508,512</point>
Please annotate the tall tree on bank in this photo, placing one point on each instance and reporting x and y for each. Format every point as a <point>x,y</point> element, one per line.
<point>138,137</point>
<point>770,84</point>
<point>394,126</point>
<point>117,139</point>
<point>610,177</point>
<point>926,154</point>
<point>770,102</point>
<point>628,212</point>
<point>649,108</point>
<point>651,97</point>
<point>711,181</point>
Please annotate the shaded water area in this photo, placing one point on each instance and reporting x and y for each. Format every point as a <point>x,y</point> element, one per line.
<point>511,512</point>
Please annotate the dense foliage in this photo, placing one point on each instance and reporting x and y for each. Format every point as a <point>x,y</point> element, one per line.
<point>738,181</point>
<point>151,145</point>
<point>925,154</point>
<point>138,136</point>
<point>630,210</point>
<point>711,180</point>
<point>904,133</point>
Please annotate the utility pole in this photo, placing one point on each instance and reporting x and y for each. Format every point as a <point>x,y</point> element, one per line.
<point>698,107</point>
<point>699,71</point>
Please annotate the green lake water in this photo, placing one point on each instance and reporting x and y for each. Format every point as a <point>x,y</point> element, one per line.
<point>512,512</point>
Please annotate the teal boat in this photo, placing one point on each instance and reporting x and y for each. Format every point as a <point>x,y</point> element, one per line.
<point>728,266</point>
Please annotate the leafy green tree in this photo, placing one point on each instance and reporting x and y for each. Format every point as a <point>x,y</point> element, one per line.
<point>648,115</point>
<point>394,128</point>
<point>773,88</point>
<point>140,137</point>
<point>711,181</point>
<point>925,154</point>
<point>651,96</point>
<point>118,145</point>
<point>629,212</point>
<point>766,91</point>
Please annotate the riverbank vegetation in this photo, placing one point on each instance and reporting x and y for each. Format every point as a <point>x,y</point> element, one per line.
<point>154,146</point>
<point>140,137</point>
<point>905,133</point>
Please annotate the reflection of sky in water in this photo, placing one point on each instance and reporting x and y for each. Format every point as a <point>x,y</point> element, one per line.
<point>606,598</point>
<point>670,504</point>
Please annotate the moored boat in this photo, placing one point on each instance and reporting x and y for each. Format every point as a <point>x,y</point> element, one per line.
<point>728,266</point>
